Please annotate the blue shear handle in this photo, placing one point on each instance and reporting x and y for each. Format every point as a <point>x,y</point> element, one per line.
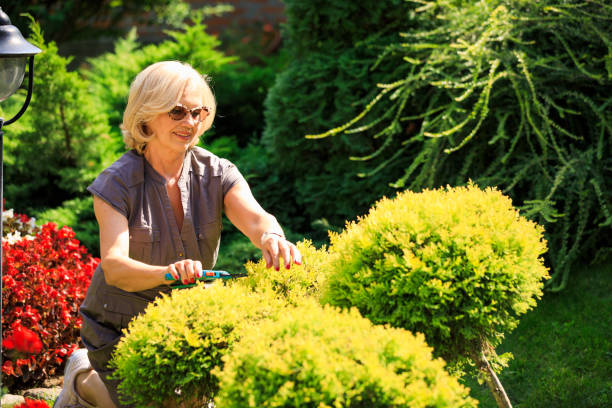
<point>206,275</point>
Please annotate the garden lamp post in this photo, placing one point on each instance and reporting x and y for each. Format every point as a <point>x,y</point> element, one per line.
<point>14,52</point>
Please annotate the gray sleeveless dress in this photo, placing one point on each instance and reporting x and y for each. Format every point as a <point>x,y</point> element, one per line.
<point>138,192</point>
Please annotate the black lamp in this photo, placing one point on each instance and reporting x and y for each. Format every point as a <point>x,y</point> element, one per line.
<point>14,51</point>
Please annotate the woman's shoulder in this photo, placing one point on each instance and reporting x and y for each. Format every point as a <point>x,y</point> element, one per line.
<point>129,168</point>
<point>204,161</point>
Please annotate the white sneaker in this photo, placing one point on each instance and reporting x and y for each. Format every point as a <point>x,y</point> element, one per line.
<point>68,398</point>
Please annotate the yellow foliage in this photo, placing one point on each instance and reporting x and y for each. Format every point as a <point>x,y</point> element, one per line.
<point>315,356</point>
<point>458,264</point>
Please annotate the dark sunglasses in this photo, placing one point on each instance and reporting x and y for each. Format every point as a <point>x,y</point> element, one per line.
<point>179,112</point>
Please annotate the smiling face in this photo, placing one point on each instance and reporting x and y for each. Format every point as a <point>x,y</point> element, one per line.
<point>178,135</point>
<point>156,91</point>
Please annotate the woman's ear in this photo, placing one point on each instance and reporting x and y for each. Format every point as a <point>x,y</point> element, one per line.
<point>145,129</point>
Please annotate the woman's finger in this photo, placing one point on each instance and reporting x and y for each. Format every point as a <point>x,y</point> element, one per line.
<point>272,246</point>
<point>285,252</point>
<point>190,270</point>
<point>180,268</point>
<point>173,272</point>
<point>267,257</point>
<point>295,254</point>
<point>198,269</point>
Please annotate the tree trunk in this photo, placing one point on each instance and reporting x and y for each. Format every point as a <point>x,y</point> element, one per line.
<point>490,377</point>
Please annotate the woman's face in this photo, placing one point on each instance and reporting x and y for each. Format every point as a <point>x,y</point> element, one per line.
<point>177,135</point>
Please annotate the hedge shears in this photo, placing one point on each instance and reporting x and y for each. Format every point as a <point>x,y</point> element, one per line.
<point>208,275</point>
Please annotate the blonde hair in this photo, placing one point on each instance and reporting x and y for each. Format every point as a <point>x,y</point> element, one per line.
<point>157,89</point>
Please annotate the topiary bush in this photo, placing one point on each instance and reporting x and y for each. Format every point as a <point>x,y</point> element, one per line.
<point>457,264</point>
<point>44,280</point>
<point>315,356</point>
<point>169,352</point>
<point>291,285</point>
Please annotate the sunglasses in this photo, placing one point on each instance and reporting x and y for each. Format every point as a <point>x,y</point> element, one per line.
<point>179,112</point>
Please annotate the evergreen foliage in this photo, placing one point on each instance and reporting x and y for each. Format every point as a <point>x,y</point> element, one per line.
<point>57,148</point>
<point>169,352</point>
<point>240,90</point>
<point>457,264</point>
<point>320,357</point>
<point>509,93</point>
<point>325,76</point>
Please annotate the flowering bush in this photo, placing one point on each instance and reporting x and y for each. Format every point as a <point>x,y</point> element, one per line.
<point>45,278</point>
<point>17,226</point>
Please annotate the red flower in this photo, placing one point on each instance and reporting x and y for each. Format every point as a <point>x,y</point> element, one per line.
<point>7,368</point>
<point>30,403</point>
<point>23,340</point>
<point>8,344</point>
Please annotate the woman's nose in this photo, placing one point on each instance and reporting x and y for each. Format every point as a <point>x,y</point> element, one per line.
<point>192,121</point>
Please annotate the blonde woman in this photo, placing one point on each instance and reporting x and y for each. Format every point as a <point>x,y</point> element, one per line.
<point>159,210</point>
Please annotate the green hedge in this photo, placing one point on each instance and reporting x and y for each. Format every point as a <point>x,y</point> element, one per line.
<point>459,265</point>
<point>168,353</point>
<point>320,357</point>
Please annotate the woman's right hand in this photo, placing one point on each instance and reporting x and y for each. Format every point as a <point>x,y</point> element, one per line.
<point>186,270</point>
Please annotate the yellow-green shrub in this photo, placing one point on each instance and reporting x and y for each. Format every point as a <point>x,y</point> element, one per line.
<point>457,264</point>
<point>315,356</point>
<point>168,352</point>
<point>291,284</point>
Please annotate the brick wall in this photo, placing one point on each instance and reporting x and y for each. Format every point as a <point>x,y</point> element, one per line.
<point>246,12</point>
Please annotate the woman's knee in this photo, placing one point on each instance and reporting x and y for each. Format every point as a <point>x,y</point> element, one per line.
<point>91,388</point>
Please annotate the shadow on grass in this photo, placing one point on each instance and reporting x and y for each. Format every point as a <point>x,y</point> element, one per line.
<point>562,349</point>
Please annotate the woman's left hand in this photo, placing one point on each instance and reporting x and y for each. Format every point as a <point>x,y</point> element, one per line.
<point>274,247</point>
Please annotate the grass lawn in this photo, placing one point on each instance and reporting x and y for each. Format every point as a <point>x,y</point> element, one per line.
<point>562,349</point>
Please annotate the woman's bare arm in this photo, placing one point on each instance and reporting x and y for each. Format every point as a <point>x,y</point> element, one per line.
<point>253,221</point>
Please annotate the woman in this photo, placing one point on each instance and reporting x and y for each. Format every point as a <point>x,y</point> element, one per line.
<point>159,211</point>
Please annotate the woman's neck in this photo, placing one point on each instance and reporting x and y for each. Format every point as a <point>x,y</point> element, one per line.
<point>168,164</point>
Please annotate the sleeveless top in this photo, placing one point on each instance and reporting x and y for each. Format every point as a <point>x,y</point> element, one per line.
<point>133,188</point>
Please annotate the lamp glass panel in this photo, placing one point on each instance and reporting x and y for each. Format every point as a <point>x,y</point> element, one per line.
<point>12,71</point>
